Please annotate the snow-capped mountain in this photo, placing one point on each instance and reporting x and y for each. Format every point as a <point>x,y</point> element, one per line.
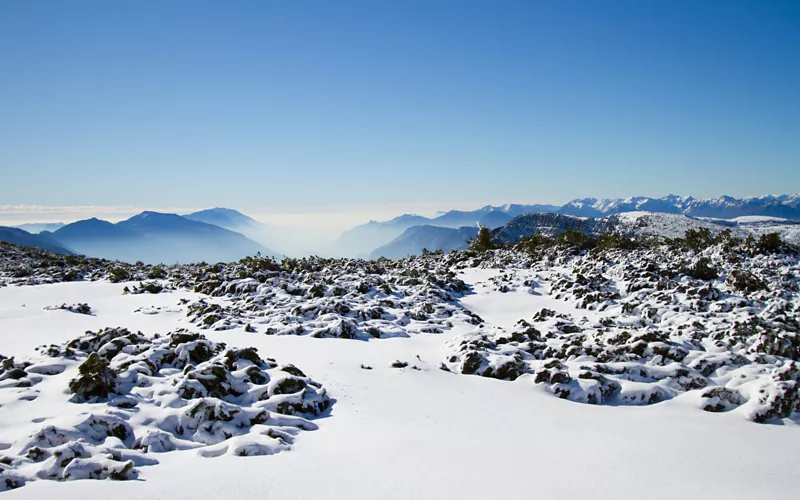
<point>642,224</point>
<point>361,239</point>
<point>723,207</point>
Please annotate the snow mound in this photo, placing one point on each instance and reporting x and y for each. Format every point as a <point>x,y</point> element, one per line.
<point>636,328</point>
<point>134,396</point>
<point>332,298</point>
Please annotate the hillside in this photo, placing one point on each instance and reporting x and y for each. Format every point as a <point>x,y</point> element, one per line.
<point>23,238</point>
<point>416,238</point>
<point>723,207</point>
<point>642,224</point>
<point>360,240</point>
<point>254,373</point>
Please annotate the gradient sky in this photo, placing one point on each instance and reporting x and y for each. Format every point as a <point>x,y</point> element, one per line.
<point>291,105</point>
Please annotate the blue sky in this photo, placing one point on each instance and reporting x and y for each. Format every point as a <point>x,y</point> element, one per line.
<point>289,105</point>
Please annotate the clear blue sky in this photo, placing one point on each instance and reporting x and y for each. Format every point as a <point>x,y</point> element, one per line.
<point>244,104</point>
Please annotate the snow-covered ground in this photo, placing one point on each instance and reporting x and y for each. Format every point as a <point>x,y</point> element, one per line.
<point>413,432</point>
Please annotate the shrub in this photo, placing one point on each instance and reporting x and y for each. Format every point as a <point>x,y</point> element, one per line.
<point>615,240</point>
<point>745,281</point>
<point>157,272</point>
<point>96,380</point>
<point>577,239</point>
<point>702,270</point>
<point>118,274</point>
<point>769,243</point>
<point>698,239</point>
<point>483,241</point>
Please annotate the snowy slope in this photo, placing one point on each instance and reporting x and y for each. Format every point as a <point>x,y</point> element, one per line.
<point>439,427</point>
<point>723,207</point>
<point>643,224</point>
<point>420,431</point>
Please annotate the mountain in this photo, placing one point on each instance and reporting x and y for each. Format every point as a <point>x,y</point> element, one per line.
<point>154,237</point>
<point>224,217</point>
<point>291,241</point>
<point>415,238</point>
<point>494,218</point>
<point>549,225</point>
<point>460,218</point>
<point>643,224</point>
<point>723,207</point>
<point>361,239</point>
<point>25,239</point>
<point>489,216</point>
<point>35,228</point>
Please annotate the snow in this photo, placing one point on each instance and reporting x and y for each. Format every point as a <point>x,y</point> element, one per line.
<point>412,433</point>
<point>745,219</point>
<point>506,309</point>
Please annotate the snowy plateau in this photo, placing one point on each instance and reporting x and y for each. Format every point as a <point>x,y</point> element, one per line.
<point>542,369</point>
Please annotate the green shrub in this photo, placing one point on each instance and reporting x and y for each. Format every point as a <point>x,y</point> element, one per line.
<point>769,243</point>
<point>118,275</point>
<point>577,239</point>
<point>483,241</point>
<point>96,380</point>
<point>698,239</point>
<point>702,270</point>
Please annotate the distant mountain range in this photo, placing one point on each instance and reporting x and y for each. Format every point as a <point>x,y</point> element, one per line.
<point>223,234</point>
<point>290,241</point>
<point>154,237</point>
<point>631,224</point>
<point>36,228</point>
<point>361,240</point>
<point>416,238</point>
<point>724,207</point>
<point>23,238</point>
<point>643,224</point>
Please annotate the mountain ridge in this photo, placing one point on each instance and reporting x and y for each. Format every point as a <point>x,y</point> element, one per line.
<point>361,240</point>
<point>156,237</point>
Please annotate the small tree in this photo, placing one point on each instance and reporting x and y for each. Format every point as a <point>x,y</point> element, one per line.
<point>769,243</point>
<point>96,379</point>
<point>483,241</point>
<point>576,238</point>
<point>698,239</point>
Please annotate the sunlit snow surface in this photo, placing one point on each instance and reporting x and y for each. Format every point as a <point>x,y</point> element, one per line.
<point>412,433</point>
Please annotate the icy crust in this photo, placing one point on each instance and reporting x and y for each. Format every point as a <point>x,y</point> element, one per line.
<point>351,299</point>
<point>136,396</point>
<point>636,328</point>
